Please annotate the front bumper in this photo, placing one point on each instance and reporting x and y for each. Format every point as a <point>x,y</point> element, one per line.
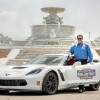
<point>33,83</point>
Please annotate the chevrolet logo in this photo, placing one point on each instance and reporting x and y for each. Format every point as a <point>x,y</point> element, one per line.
<point>7,74</point>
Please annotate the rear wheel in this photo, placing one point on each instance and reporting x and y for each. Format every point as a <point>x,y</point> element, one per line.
<point>50,84</point>
<point>93,87</point>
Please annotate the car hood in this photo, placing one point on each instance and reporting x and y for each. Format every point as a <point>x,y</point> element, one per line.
<point>18,71</point>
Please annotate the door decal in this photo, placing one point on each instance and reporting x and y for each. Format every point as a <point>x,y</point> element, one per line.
<point>86,73</point>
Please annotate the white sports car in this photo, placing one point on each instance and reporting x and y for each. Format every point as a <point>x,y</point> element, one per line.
<point>49,73</point>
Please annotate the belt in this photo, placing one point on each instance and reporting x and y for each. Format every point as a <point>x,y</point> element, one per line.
<point>81,60</point>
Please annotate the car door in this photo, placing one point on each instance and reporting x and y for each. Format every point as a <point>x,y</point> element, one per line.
<point>80,74</point>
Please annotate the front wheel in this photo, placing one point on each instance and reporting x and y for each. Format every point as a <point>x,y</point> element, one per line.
<point>50,84</point>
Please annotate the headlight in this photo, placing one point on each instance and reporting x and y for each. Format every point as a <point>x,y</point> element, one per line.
<point>35,71</point>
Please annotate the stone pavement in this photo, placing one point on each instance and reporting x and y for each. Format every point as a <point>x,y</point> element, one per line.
<point>71,94</point>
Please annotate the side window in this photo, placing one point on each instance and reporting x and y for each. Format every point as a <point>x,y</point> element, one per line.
<point>69,62</point>
<point>65,63</point>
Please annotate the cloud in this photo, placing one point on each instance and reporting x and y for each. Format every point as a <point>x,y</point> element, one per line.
<point>7,14</point>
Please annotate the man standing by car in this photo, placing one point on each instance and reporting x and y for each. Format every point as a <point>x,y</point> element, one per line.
<point>81,51</point>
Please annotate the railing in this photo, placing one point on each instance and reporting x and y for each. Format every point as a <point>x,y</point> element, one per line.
<point>43,46</point>
<point>35,46</point>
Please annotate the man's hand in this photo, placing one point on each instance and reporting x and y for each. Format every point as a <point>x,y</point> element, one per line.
<point>70,56</point>
<point>91,63</point>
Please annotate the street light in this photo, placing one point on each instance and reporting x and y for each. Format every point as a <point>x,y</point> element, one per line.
<point>89,36</point>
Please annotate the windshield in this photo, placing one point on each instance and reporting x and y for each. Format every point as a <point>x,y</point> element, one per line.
<point>47,59</point>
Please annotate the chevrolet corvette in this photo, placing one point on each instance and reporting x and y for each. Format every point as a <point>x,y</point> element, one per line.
<point>49,73</point>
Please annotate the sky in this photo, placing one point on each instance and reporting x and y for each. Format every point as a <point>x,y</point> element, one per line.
<point>16,16</point>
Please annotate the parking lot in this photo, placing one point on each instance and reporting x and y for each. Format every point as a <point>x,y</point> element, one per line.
<point>71,94</point>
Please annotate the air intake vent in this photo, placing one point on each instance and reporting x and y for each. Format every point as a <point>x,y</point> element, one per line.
<point>19,67</point>
<point>13,83</point>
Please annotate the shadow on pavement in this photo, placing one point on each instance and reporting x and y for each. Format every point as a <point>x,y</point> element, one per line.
<point>67,91</point>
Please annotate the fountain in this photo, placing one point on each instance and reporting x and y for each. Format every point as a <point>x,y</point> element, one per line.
<point>52,32</point>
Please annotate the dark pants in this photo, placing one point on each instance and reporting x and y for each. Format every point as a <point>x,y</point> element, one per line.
<point>83,61</point>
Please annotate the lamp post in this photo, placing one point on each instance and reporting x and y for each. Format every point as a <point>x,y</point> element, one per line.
<point>89,36</point>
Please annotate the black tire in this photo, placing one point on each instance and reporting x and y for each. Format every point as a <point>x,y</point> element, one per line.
<point>81,88</point>
<point>50,83</point>
<point>93,87</point>
<point>87,88</point>
<point>4,91</point>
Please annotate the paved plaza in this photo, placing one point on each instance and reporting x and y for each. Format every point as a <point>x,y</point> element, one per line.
<point>71,94</point>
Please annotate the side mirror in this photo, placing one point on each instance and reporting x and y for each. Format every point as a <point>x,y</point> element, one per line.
<point>77,64</point>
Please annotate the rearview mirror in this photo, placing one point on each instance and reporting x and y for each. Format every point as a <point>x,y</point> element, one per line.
<point>77,64</point>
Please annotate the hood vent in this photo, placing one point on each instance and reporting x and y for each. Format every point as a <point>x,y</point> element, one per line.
<point>19,67</point>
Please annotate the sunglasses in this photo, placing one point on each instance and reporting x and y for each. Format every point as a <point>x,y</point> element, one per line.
<point>79,38</point>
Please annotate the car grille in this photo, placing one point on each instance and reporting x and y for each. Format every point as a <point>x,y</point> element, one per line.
<point>13,83</point>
